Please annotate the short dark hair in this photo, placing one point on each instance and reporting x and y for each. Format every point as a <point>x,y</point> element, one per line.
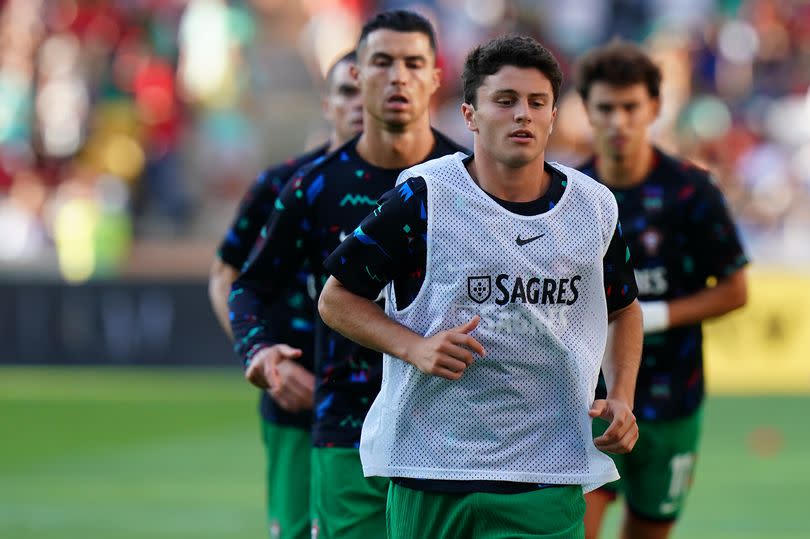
<point>350,56</point>
<point>619,63</point>
<point>399,20</point>
<point>511,50</point>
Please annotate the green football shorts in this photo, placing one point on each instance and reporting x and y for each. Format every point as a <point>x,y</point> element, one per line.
<point>550,513</point>
<point>345,504</point>
<point>288,460</point>
<point>657,475</point>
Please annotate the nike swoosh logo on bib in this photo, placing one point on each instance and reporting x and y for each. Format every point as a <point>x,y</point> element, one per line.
<point>521,241</point>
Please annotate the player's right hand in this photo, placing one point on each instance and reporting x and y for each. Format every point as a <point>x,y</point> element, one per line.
<point>263,369</point>
<point>448,353</point>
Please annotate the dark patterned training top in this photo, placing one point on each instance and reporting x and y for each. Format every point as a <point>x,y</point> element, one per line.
<point>314,212</point>
<point>294,313</point>
<point>680,233</point>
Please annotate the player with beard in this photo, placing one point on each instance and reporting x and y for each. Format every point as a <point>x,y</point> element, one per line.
<point>397,74</point>
<point>286,419</point>
<point>681,235</point>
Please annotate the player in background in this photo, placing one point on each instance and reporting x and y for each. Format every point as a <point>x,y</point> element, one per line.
<point>677,226</point>
<point>397,74</point>
<point>287,415</point>
<point>504,272</point>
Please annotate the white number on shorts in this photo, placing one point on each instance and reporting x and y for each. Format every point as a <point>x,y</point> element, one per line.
<point>681,467</point>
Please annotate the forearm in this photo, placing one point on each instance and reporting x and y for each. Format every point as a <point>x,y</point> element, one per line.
<point>220,280</point>
<point>623,356</point>
<point>729,294</point>
<point>269,272</point>
<point>363,321</point>
<point>251,330</point>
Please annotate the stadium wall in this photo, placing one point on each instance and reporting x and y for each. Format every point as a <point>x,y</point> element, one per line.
<point>763,348</point>
<point>129,323</point>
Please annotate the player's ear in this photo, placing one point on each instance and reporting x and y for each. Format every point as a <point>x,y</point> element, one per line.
<point>354,72</point>
<point>656,106</point>
<point>437,78</point>
<point>327,110</point>
<point>468,112</point>
<point>553,119</point>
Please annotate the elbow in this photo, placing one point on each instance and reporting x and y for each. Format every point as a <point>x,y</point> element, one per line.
<point>220,278</point>
<point>325,302</point>
<point>211,292</point>
<point>334,304</point>
<point>215,281</point>
<point>739,291</point>
<point>633,310</point>
<point>740,297</point>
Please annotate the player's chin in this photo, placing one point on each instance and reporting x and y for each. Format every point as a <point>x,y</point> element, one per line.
<point>619,155</point>
<point>518,158</point>
<point>398,121</point>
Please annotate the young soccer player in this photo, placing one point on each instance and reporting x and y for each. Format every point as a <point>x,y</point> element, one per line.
<point>680,233</point>
<point>504,272</point>
<point>396,70</point>
<point>287,416</point>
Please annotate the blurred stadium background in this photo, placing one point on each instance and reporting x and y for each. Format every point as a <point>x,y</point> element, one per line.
<point>129,129</point>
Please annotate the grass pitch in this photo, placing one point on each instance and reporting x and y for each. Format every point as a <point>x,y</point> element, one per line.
<point>176,453</point>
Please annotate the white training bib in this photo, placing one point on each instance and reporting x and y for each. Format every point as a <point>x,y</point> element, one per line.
<point>520,413</point>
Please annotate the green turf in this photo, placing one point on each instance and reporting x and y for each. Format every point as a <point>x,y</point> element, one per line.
<point>90,453</point>
<point>175,453</point>
<point>752,472</point>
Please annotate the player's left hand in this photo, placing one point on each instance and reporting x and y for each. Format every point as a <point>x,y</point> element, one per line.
<point>295,386</point>
<point>622,433</point>
<point>262,371</point>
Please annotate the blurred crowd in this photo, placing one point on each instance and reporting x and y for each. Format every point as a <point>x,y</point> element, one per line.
<point>130,121</point>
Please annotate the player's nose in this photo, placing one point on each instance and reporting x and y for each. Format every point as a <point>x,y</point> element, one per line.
<point>398,72</point>
<point>523,112</point>
<point>618,119</point>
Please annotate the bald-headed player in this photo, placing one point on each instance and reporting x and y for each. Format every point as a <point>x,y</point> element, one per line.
<point>287,415</point>
<point>677,226</point>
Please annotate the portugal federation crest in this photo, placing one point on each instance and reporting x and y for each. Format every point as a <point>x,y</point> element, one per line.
<point>651,239</point>
<point>479,288</point>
